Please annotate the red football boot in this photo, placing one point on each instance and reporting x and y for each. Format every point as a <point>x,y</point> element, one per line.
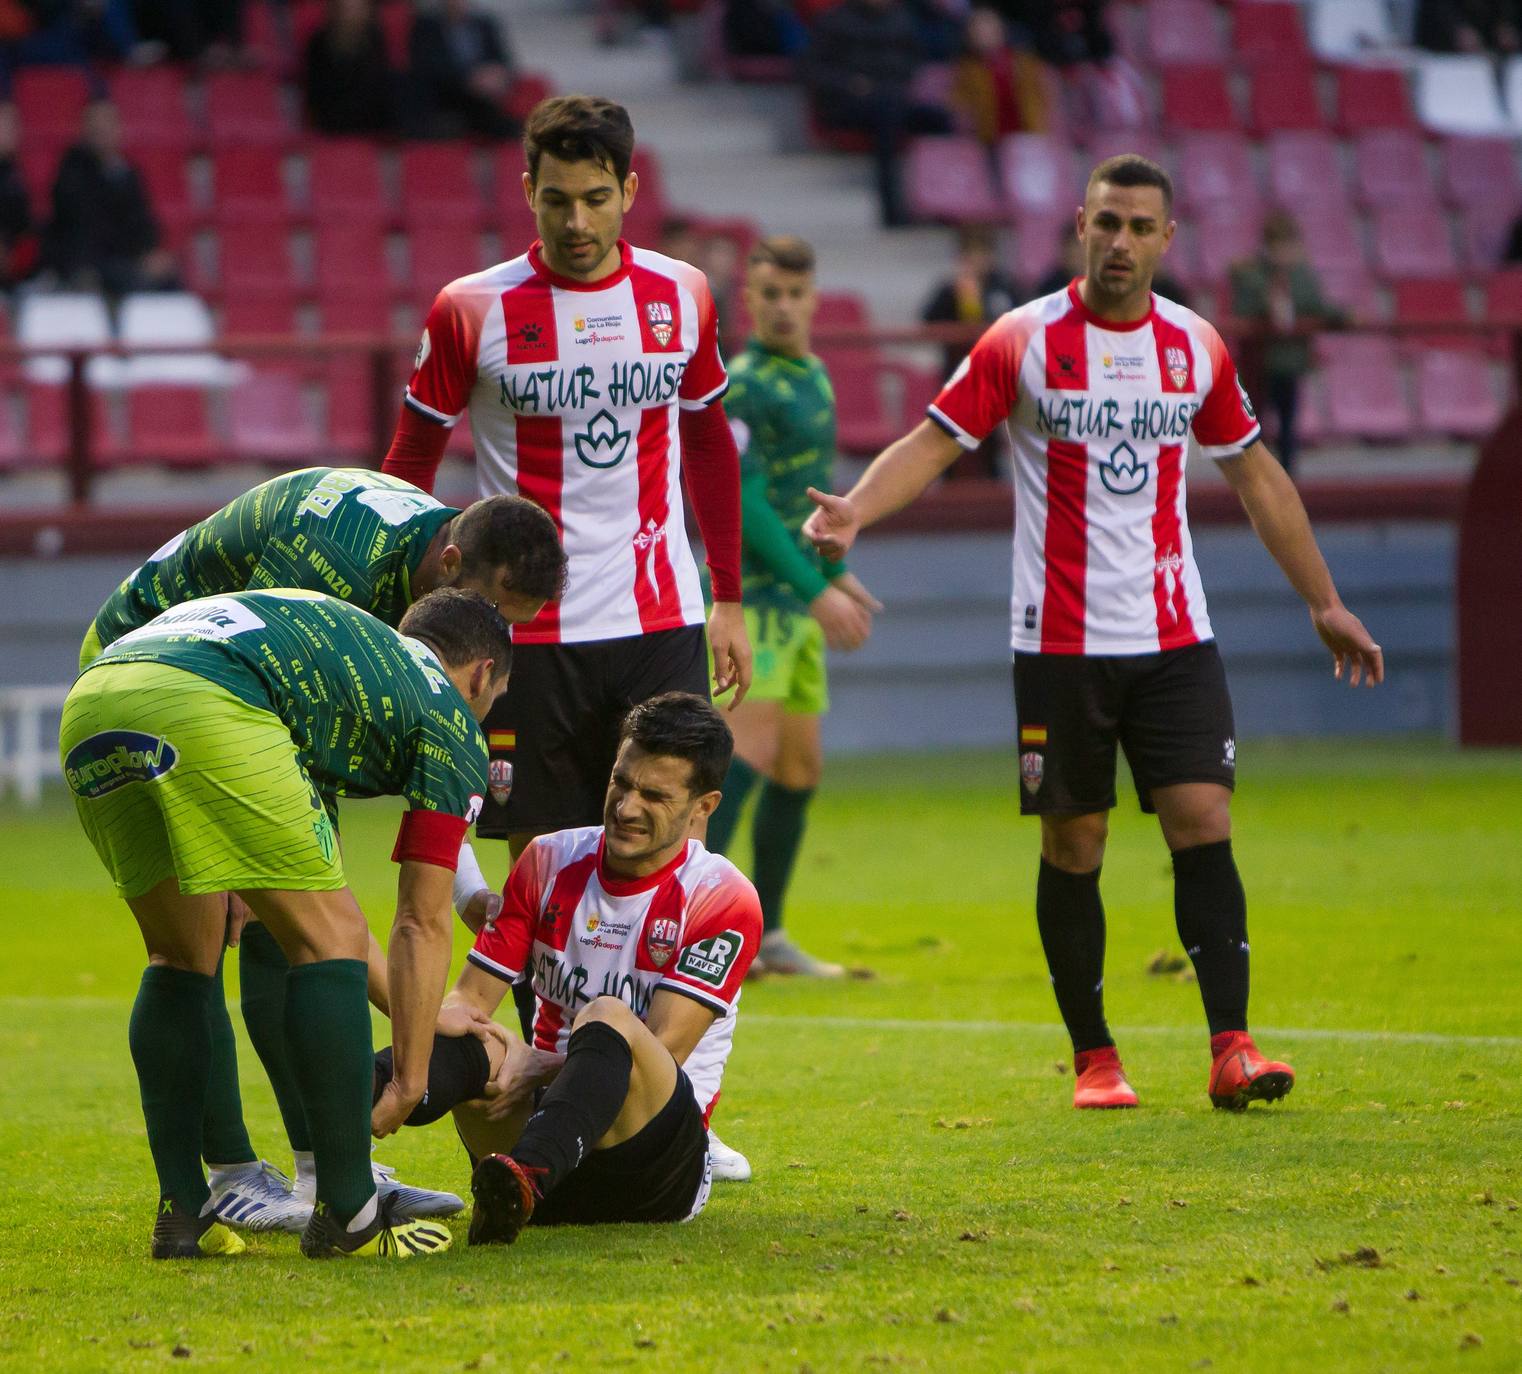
<point>1239,1074</point>
<point>1101,1081</point>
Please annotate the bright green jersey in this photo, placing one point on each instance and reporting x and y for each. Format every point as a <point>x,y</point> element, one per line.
<point>348,532</point>
<point>371,711</point>
<point>783,413</point>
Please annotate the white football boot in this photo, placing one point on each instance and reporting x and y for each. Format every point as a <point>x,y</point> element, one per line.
<point>407,1203</point>
<point>258,1197</point>
<point>729,1166</point>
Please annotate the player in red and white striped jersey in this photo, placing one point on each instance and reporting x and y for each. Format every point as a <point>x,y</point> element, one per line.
<point>638,940</point>
<point>1103,386</point>
<point>591,374</point>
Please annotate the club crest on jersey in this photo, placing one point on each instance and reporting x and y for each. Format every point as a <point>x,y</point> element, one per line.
<point>661,321</point>
<point>499,780</point>
<point>1032,766</point>
<point>660,940</point>
<point>1178,366</point>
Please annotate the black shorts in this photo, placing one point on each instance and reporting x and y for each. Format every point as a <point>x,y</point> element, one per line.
<point>553,734</point>
<point>661,1174</point>
<point>1170,712</point>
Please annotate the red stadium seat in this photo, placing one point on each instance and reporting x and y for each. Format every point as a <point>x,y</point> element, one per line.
<point>246,108</point>
<point>947,179</point>
<point>1286,98</point>
<point>1269,35</point>
<point>1456,395</point>
<point>1304,168</point>
<point>153,109</point>
<point>168,424</point>
<point>1197,98</point>
<point>439,185</point>
<point>1038,174</point>
<point>1184,33</point>
<point>1353,291</point>
<point>250,187</point>
<point>1438,301</point>
<point>865,424</point>
<point>1221,239</point>
<point>261,314</point>
<point>1373,98</point>
<point>1485,231</point>
<point>354,256</point>
<point>346,308</point>
<point>344,181</point>
<point>1215,170</point>
<point>15,452</point>
<point>1480,169</point>
<point>252,259</point>
<point>644,223</point>
<point>50,102</point>
<point>841,310</point>
<point>511,216</point>
<point>1105,143</point>
<point>395,17</point>
<point>348,408</point>
<point>1390,168</point>
<point>307,16</point>
<point>1413,241</point>
<point>269,421</point>
<point>1366,395</point>
<point>436,256</point>
<point>163,172</point>
<point>1503,296</point>
<point>1333,242</point>
<point>47,422</point>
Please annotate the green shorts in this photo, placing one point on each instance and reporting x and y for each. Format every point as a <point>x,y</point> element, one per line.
<point>174,776</point>
<point>789,660</point>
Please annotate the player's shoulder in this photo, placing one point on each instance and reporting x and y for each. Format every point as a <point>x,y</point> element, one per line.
<point>712,881</point>
<point>1191,321</point>
<point>475,291</point>
<point>678,270</point>
<point>562,847</point>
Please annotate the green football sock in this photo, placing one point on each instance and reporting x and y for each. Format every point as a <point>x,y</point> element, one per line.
<point>777,832</point>
<point>327,1037</point>
<point>737,787</point>
<point>171,1050</point>
<point>224,1136</point>
<point>262,969</point>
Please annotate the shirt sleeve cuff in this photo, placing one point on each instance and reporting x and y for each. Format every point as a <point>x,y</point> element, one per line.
<point>430,837</point>
<point>967,441</point>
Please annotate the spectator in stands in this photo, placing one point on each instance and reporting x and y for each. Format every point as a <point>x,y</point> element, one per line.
<point>193,30</point>
<point>18,238</point>
<point>103,235</point>
<point>463,71</point>
<point>762,28</point>
<point>67,32</point>
<point>1475,26</point>
<point>861,62</point>
<point>346,77</point>
<point>1103,89</point>
<point>1279,290</point>
<point>977,292</point>
<point>995,90</point>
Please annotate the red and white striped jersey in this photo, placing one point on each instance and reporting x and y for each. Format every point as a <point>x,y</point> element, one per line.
<point>1100,415</point>
<point>692,928</point>
<point>573,391</point>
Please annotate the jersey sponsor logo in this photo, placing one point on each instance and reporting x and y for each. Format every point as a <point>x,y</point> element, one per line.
<point>550,391</point>
<point>208,618</point>
<point>660,940</point>
<point>1246,401</point>
<point>710,960</point>
<point>1083,417</point>
<point>530,342</point>
<point>661,321</point>
<point>1032,766</point>
<point>113,758</point>
<point>424,348</point>
<point>1123,472</point>
<point>602,444</point>
<point>499,780</point>
<point>1121,367</point>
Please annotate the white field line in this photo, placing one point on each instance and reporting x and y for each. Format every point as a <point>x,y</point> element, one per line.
<point>929,1027</point>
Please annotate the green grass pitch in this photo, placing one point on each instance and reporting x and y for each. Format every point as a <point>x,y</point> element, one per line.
<point>925,1197</point>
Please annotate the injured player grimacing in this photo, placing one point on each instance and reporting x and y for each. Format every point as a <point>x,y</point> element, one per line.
<point>637,940</point>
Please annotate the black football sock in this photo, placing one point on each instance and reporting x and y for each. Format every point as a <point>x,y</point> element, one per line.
<point>738,783</point>
<point>580,1106</point>
<point>1210,908</point>
<point>1071,918</point>
<point>458,1068</point>
<point>262,970</point>
<point>777,833</point>
<point>171,1050</point>
<point>224,1137</point>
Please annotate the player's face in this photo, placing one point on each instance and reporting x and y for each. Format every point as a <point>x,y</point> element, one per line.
<point>579,209</point>
<point>1125,232</point>
<point>782,306</point>
<point>648,810</point>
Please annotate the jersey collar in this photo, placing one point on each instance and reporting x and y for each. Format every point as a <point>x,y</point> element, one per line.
<point>1099,321</point>
<point>627,887</point>
<point>625,261</point>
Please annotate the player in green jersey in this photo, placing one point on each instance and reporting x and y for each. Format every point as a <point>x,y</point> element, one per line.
<point>206,751</point>
<point>377,542</point>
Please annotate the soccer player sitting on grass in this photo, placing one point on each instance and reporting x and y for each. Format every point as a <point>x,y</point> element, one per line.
<point>205,752</point>
<point>378,543</point>
<point>637,939</point>
<point>1103,385</point>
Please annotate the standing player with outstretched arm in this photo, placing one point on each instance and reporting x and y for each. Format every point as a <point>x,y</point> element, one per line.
<point>1103,385</point>
<point>592,376</point>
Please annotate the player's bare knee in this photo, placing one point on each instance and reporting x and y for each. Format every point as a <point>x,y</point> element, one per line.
<point>611,1012</point>
<point>1075,844</point>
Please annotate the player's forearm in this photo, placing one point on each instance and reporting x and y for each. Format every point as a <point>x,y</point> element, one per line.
<point>1279,519</point>
<point>774,546</point>
<point>417,967</point>
<point>379,988</point>
<point>901,472</point>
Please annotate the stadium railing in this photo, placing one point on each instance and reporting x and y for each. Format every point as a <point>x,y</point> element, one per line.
<point>28,753</point>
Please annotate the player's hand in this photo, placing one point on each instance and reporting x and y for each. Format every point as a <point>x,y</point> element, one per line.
<point>1358,659</point>
<point>238,916</point>
<point>523,1068</point>
<point>834,526</point>
<point>845,621</point>
<point>460,1018</point>
<point>392,1108</point>
<point>481,912</point>
<point>731,650</point>
<point>851,585</point>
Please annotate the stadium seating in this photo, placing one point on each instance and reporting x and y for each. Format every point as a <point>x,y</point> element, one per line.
<point>159,319</point>
<point>353,308</point>
<point>268,420</point>
<point>1413,241</point>
<point>1184,33</point>
<point>436,256</point>
<point>1485,230</point>
<point>947,179</point>
<point>165,424</point>
<point>1437,300</point>
<point>47,420</point>
<point>1285,98</point>
<point>1366,397</point>
<point>1269,35</point>
<point>1390,168</point>
<point>1214,169</point>
<point>250,187</point>
<point>1348,30</point>
<point>65,320</point>
<point>439,185</point>
<point>250,259</point>
<point>1333,242</point>
<point>1304,169</point>
<point>344,181</point>
<point>1352,290</point>
<point>265,314</point>
<point>1197,98</point>
<point>1220,239</point>
<point>1038,174</point>
<point>1458,95</point>
<point>1480,169</point>
<point>1455,395</point>
<point>50,102</point>
<point>163,170</point>
<point>153,108</point>
<point>352,256</point>
<point>246,108</point>
<point>1503,296</point>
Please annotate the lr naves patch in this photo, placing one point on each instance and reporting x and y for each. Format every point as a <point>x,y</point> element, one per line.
<point>114,758</point>
<point>709,960</point>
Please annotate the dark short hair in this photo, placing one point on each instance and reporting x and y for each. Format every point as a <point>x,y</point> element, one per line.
<point>1131,169</point>
<point>683,725</point>
<point>460,627</point>
<point>785,252</point>
<point>580,128</point>
<point>512,532</point>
